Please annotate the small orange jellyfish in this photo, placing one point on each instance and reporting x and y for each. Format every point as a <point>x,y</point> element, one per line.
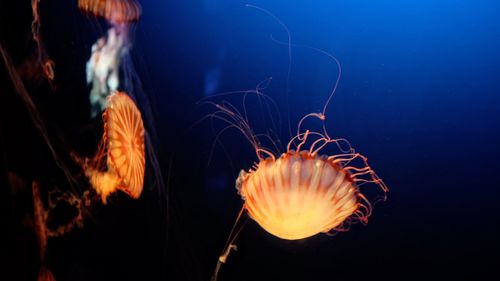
<point>120,161</point>
<point>115,11</point>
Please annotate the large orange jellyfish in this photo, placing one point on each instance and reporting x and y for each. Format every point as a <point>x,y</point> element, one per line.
<point>301,192</point>
<point>306,190</point>
<point>120,160</point>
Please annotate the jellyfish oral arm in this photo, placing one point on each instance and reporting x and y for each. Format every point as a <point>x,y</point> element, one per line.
<point>104,183</point>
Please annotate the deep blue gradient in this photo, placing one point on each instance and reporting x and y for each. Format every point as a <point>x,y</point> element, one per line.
<point>419,96</point>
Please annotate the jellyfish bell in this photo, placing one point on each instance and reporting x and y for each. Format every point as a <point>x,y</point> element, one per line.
<point>299,195</point>
<point>125,136</point>
<point>122,148</point>
<point>308,189</point>
<point>314,187</point>
<point>120,15</point>
<point>115,11</point>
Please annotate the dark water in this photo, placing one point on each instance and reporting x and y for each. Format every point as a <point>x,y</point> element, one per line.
<point>419,96</point>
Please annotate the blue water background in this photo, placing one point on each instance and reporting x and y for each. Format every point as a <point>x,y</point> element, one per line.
<point>419,96</point>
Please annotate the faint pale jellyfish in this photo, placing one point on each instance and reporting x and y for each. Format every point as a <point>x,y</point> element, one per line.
<point>120,161</point>
<point>103,68</point>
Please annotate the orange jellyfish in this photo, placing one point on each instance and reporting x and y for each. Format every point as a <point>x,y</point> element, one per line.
<point>115,11</point>
<point>302,192</point>
<point>308,189</point>
<point>120,160</point>
<point>110,69</point>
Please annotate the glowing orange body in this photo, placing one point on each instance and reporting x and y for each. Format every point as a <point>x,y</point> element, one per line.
<point>112,10</point>
<point>124,132</point>
<point>298,195</point>
<point>123,146</point>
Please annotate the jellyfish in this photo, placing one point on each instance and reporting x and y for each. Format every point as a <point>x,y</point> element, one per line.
<point>103,68</point>
<point>109,52</point>
<point>120,161</point>
<point>315,186</point>
<point>111,68</point>
<point>115,11</point>
<point>303,191</point>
